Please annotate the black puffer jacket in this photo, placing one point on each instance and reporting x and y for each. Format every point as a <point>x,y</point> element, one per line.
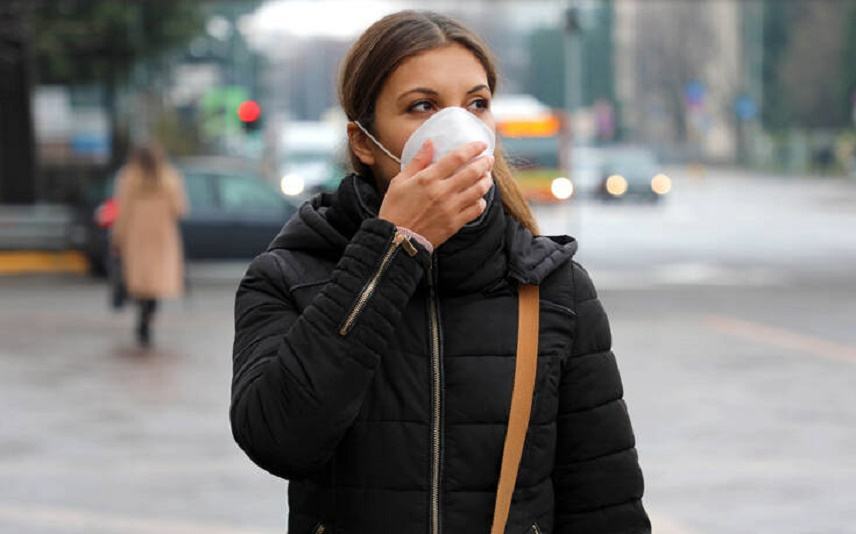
<point>377,378</point>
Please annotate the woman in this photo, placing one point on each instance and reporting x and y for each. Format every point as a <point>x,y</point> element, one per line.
<point>150,200</point>
<point>375,338</point>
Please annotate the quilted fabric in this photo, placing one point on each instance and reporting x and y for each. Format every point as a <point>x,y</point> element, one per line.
<point>349,419</point>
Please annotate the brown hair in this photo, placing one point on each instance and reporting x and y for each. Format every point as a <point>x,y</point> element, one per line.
<point>385,45</point>
<point>149,160</point>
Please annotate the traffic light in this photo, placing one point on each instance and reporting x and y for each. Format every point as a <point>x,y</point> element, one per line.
<point>250,115</point>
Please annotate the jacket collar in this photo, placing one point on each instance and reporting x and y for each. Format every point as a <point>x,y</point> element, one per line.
<point>489,251</point>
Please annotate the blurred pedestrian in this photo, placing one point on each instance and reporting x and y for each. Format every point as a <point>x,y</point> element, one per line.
<point>150,200</point>
<point>375,339</point>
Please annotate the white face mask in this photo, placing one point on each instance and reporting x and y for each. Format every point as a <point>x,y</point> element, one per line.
<point>448,129</point>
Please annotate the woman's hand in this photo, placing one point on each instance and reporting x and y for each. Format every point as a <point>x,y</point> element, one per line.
<point>436,200</point>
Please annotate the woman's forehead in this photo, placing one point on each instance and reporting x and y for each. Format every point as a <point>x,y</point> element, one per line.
<point>450,68</point>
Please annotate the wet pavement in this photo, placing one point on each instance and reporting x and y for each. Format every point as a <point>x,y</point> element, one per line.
<point>732,310</point>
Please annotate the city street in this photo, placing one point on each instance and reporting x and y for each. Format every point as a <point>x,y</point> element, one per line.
<point>732,307</point>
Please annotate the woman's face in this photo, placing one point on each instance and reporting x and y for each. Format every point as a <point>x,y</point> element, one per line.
<point>419,87</point>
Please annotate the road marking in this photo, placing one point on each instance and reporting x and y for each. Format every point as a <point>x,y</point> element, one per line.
<point>63,518</point>
<point>779,337</point>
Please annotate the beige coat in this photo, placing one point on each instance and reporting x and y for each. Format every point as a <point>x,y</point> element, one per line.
<point>147,233</point>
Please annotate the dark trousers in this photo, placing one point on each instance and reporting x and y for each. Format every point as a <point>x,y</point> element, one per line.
<point>145,311</point>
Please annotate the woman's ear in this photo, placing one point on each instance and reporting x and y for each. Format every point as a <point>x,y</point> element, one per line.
<point>359,144</point>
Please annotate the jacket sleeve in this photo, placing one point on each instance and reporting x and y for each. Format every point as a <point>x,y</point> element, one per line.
<point>298,383</point>
<point>597,478</point>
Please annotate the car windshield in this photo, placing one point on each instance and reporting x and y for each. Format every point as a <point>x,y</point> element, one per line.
<point>585,158</point>
<point>199,189</point>
<point>631,162</point>
<point>243,193</point>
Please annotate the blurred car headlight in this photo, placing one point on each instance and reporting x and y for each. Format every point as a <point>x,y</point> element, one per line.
<point>661,184</point>
<point>616,185</point>
<point>561,188</point>
<point>291,184</point>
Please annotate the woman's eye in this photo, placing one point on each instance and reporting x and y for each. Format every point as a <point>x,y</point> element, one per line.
<point>415,105</point>
<point>483,104</point>
<point>480,104</point>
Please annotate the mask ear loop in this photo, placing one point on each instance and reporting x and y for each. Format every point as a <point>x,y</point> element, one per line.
<point>376,142</point>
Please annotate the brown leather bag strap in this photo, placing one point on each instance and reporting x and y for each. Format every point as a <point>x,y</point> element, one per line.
<point>525,368</point>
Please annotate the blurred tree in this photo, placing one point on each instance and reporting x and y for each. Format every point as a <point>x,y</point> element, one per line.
<point>811,70</point>
<point>809,53</point>
<point>17,154</point>
<point>599,51</point>
<point>546,67</point>
<point>676,44</point>
<point>779,17</point>
<point>183,137</point>
<point>100,41</point>
<point>848,59</point>
<point>546,79</point>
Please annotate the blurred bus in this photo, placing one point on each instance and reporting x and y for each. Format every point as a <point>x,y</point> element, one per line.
<point>534,138</point>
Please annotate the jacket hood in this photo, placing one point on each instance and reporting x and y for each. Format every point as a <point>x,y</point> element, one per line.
<point>492,246</point>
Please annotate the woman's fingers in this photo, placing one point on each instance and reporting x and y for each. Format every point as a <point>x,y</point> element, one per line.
<point>472,211</point>
<point>470,174</point>
<point>451,162</point>
<point>420,160</point>
<point>476,191</point>
<point>431,199</point>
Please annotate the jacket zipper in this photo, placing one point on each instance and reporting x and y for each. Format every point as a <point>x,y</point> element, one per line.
<point>319,529</point>
<point>399,239</point>
<point>535,529</point>
<point>435,398</point>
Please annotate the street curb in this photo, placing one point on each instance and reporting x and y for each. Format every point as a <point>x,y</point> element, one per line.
<point>19,262</point>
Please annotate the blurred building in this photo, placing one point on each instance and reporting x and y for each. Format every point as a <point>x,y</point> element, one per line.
<point>678,70</point>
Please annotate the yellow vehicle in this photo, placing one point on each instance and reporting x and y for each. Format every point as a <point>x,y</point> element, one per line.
<point>534,138</point>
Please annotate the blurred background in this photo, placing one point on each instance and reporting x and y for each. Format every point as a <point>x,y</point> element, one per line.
<point>702,152</point>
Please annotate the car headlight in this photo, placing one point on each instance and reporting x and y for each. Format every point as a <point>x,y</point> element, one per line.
<point>661,184</point>
<point>291,184</point>
<point>616,185</point>
<point>561,188</point>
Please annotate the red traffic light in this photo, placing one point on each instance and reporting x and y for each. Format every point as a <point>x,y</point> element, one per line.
<point>249,111</point>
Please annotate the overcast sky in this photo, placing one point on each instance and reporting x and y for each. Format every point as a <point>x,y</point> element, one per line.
<point>345,19</point>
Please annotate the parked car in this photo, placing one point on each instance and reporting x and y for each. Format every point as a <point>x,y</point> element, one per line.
<point>311,158</point>
<point>234,212</point>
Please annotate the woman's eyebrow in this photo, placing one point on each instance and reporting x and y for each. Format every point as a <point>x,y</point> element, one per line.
<point>429,91</point>
<point>418,90</point>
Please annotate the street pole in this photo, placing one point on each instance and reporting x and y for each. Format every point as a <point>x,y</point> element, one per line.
<point>573,94</point>
<point>573,58</point>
